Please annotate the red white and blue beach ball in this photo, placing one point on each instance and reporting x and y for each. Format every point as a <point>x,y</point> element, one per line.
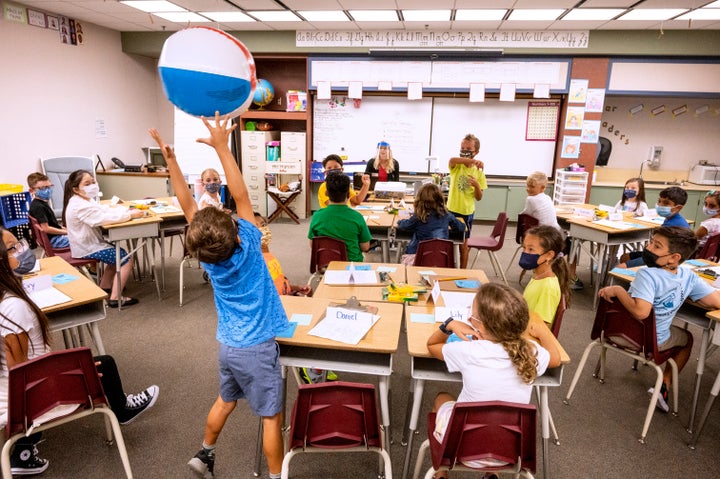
<point>204,70</point>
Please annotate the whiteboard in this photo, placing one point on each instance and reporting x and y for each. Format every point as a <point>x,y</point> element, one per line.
<point>500,127</point>
<point>339,124</point>
<point>193,157</point>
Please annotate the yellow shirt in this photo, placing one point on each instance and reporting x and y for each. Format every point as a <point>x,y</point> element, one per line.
<point>543,297</point>
<point>324,200</point>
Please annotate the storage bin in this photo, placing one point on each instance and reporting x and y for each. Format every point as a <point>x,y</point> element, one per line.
<point>10,188</point>
<point>14,209</point>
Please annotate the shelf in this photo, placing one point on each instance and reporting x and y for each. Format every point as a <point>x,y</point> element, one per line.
<point>274,115</point>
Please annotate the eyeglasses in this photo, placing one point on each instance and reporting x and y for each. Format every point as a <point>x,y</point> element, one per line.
<point>18,248</point>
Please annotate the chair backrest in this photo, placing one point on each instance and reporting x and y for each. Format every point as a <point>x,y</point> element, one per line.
<point>335,415</point>
<point>709,250</point>
<point>64,377</point>
<point>498,231</point>
<point>438,253</point>
<point>524,223</point>
<point>498,430</point>
<point>604,149</point>
<point>617,326</point>
<point>58,170</point>
<point>324,250</point>
<point>559,312</point>
<point>41,237</point>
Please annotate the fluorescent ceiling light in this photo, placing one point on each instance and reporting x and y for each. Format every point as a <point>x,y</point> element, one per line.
<point>426,15</point>
<point>593,13</point>
<point>475,15</point>
<point>652,13</point>
<point>154,6</point>
<point>227,16</point>
<point>701,14</point>
<point>374,15</point>
<point>537,14</point>
<point>275,16</point>
<point>182,17</point>
<point>324,15</point>
<point>713,5</point>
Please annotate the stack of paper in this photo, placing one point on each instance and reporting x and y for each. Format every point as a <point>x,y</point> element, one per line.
<point>42,292</point>
<point>345,325</point>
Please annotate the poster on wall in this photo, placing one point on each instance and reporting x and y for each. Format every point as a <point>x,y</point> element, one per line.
<point>68,33</point>
<point>574,117</point>
<point>53,23</point>
<point>36,19</point>
<point>570,147</point>
<point>578,91</point>
<point>590,131</point>
<point>595,100</point>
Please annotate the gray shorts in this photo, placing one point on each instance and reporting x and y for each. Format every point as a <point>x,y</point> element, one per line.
<point>252,373</point>
<point>678,338</point>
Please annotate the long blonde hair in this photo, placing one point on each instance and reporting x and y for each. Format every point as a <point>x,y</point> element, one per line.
<point>429,199</point>
<point>505,315</point>
<point>391,161</point>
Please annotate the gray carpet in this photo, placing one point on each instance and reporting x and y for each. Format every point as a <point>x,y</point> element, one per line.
<point>159,342</point>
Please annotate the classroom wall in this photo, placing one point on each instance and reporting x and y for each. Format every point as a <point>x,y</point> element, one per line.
<point>52,95</point>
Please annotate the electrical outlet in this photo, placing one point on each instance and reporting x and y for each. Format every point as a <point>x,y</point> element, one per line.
<point>280,101</point>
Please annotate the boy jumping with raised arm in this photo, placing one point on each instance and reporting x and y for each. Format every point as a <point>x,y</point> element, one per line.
<point>249,310</point>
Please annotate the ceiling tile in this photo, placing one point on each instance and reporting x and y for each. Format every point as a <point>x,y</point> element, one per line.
<point>608,3</point>
<point>577,24</point>
<point>255,4</point>
<point>526,25</point>
<point>545,3</point>
<point>428,25</point>
<point>486,25</point>
<point>424,4</point>
<point>313,4</point>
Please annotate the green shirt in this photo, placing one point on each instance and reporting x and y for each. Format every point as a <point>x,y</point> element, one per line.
<point>461,197</point>
<point>343,223</point>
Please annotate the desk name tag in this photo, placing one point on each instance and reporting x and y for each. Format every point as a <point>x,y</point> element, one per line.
<point>584,212</point>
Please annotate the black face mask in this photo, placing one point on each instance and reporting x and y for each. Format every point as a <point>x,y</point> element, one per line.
<point>651,258</point>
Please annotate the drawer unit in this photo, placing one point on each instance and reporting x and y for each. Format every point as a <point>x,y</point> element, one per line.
<point>570,187</point>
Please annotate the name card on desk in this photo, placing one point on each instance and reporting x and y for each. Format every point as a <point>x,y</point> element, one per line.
<point>350,276</point>
<point>42,293</point>
<point>584,212</point>
<point>344,325</point>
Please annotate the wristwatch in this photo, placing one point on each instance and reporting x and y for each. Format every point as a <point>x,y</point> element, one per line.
<point>443,326</point>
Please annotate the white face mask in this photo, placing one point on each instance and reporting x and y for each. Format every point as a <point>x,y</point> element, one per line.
<point>91,191</point>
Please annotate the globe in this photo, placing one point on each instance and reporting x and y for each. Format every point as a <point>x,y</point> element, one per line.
<point>264,93</point>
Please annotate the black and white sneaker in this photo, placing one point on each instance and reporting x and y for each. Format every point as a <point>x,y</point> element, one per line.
<point>203,463</point>
<point>136,404</point>
<point>662,400</point>
<point>26,462</point>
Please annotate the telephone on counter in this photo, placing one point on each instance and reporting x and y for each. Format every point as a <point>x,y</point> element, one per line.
<point>128,168</point>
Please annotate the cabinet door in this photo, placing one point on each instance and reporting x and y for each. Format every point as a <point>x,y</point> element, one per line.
<point>494,201</point>
<point>605,195</point>
<point>515,201</point>
<point>693,208</point>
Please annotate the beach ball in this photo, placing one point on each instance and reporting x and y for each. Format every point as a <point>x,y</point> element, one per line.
<point>204,70</point>
<point>264,93</point>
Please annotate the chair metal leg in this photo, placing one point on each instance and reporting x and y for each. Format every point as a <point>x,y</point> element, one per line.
<point>258,449</point>
<point>713,395</point>
<point>512,260</point>
<point>496,263</point>
<point>579,371</point>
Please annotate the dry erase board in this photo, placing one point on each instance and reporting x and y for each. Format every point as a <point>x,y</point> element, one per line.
<point>358,127</point>
<point>193,157</point>
<point>500,127</point>
<point>431,127</point>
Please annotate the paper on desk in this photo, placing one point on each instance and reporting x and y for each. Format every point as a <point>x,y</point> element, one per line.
<point>42,293</point>
<point>652,219</point>
<point>160,209</point>
<point>350,276</point>
<point>618,225</point>
<point>344,325</point>
<point>458,313</point>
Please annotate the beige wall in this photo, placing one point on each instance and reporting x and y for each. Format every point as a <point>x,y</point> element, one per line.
<point>52,94</point>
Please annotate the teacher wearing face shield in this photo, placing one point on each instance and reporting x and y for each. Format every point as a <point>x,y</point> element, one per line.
<point>383,166</point>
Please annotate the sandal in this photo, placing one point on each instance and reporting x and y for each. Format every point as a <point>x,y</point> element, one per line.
<point>113,303</point>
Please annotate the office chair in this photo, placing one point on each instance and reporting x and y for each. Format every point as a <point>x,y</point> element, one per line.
<point>336,417</point>
<point>58,170</point>
<point>604,149</point>
<point>491,243</point>
<point>54,389</point>
<point>496,431</point>
<point>435,252</point>
<point>615,329</point>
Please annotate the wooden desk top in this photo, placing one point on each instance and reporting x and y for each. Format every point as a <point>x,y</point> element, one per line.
<point>566,213</point>
<point>371,292</point>
<point>414,277</point>
<point>418,333</point>
<point>134,222</point>
<point>81,290</point>
<point>383,337</point>
<point>157,174</point>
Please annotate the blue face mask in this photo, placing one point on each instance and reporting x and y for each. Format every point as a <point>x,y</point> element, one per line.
<point>529,261</point>
<point>44,193</point>
<point>663,211</point>
<point>709,211</point>
<point>26,261</point>
<point>212,188</point>
<point>630,193</point>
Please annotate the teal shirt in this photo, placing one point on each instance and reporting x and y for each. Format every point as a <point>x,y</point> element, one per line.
<point>343,223</point>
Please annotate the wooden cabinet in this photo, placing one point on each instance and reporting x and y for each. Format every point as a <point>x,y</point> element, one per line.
<point>284,72</point>
<point>253,156</point>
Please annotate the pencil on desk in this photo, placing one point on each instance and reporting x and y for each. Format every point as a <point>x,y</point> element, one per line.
<point>376,222</point>
<point>452,279</point>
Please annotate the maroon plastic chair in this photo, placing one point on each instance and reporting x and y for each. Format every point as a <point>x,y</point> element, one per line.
<point>524,223</point>
<point>336,417</point>
<point>559,313</point>
<point>43,240</point>
<point>438,253</point>
<point>709,250</point>
<point>39,388</point>
<point>492,430</point>
<point>323,251</point>
<point>615,329</point>
<point>491,243</point>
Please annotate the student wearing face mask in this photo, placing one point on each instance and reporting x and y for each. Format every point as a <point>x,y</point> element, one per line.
<point>211,194</point>
<point>633,197</point>
<point>41,188</point>
<point>711,226</point>
<point>671,200</point>
<point>83,216</point>
<point>543,255</point>
<point>664,287</point>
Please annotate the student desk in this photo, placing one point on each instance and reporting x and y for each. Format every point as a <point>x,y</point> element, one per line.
<point>372,355</point>
<point>171,222</point>
<point>426,368</point>
<point>605,238</point>
<point>142,229</point>
<point>381,225</point>
<point>690,314</point>
<point>86,308</point>
<point>415,273</point>
<point>369,292</point>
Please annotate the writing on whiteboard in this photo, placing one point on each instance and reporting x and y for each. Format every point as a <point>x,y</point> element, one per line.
<point>443,38</point>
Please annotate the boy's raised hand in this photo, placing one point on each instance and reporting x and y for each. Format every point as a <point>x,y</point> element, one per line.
<point>167,151</point>
<point>219,133</point>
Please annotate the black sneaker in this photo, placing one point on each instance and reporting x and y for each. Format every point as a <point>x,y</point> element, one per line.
<point>662,401</point>
<point>203,463</point>
<point>136,404</point>
<point>27,463</point>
